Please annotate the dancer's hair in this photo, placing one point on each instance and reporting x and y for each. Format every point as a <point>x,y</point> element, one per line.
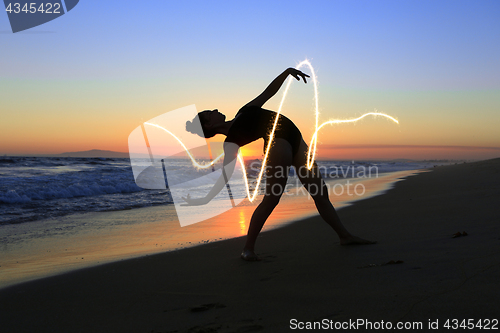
<point>198,125</point>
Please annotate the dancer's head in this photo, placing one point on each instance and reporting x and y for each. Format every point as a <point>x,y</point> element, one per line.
<point>206,123</point>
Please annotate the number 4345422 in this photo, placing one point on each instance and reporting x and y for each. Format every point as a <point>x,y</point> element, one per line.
<point>485,324</point>
<point>46,8</point>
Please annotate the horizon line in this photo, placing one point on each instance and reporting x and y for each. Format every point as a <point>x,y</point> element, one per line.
<point>331,146</point>
<point>324,146</point>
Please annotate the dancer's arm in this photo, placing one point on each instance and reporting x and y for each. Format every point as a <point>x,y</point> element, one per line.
<point>230,156</point>
<point>273,88</point>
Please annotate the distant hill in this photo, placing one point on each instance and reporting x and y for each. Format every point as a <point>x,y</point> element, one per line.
<point>95,153</point>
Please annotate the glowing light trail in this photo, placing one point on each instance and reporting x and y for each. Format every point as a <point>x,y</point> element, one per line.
<point>311,154</point>
<point>312,145</point>
<point>195,164</point>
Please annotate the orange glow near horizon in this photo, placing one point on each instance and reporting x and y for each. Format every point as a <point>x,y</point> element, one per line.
<point>417,152</point>
<point>98,120</point>
<point>311,153</point>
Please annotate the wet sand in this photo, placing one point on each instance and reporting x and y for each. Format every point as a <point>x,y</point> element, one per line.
<point>304,275</point>
<point>54,246</point>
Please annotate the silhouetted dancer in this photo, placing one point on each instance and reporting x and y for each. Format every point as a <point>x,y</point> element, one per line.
<point>252,122</point>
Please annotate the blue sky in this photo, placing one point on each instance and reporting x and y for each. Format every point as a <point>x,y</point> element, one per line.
<point>136,60</point>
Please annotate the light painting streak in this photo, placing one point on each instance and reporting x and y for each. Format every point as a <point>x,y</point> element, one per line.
<point>314,139</point>
<point>195,164</point>
<point>311,154</point>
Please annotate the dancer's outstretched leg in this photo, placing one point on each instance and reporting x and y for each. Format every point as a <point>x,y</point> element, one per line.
<point>315,185</point>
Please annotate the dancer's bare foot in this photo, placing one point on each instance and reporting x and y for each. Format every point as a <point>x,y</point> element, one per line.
<point>249,255</point>
<point>353,240</point>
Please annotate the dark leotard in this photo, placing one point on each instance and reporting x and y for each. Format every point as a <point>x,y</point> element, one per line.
<point>252,123</point>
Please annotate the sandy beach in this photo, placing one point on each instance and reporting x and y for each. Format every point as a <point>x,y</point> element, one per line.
<point>416,273</point>
<point>59,245</point>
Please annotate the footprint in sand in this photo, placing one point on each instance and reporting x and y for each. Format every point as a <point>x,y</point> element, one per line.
<point>459,234</point>
<point>391,262</point>
<point>205,307</point>
<point>273,274</point>
<point>250,328</point>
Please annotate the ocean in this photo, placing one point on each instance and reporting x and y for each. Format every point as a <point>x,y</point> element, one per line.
<point>61,214</point>
<point>36,188</point>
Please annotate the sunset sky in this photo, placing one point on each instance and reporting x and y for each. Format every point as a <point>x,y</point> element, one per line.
<point>87,79</point>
